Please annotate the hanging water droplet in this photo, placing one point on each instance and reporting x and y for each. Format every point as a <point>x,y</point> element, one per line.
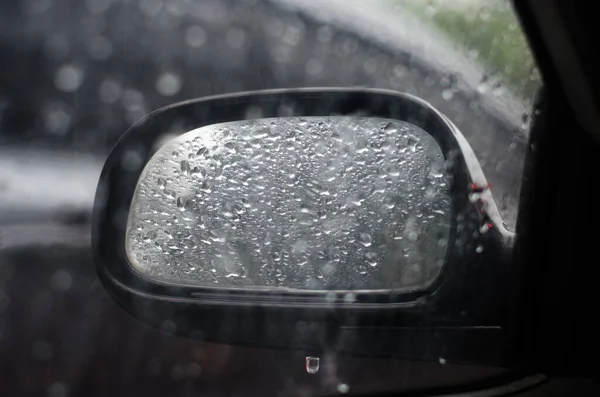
<point>312,364</point>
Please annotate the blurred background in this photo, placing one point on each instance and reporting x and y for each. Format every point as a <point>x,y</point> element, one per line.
<point>76,74</point>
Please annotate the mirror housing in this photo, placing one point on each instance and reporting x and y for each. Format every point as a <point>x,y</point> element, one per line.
<point>460,316</point>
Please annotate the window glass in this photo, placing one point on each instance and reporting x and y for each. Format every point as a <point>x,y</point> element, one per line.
<point>76,74</point>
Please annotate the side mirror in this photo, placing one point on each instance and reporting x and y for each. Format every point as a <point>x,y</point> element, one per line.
<point>345,220</point>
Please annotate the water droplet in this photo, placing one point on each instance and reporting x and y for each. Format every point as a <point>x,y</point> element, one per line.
<point>349,297</point>
<point>372,258</point>
<point>305,209</point>
<point>483,85</point>
<point>314,67</point>
<point>41,350</point>
<point>497,89</point>
<point>162,183</point>
<point>68,78</point>
<point>61,281</point>
<point>109,91</point>
<point>312,365</point>
<point>195,36</point>
<point>185,167</point>
<point>193,370</point>
<point>442,360</point>
<point>168,84</point>
<point>56,47</point>
<point>182,203</point>
<point>202,151</point>
<point>299,246</point>
<point>131,160</point>
<point>479,249</point>
<point>151,7</point>
<point>235,38</point>
<point>57,118</point>
<point>100,48</point>
<point>177,373</point>
<point>153,367</point>
<point>390,128</point>
<point>447,94</point>
<point>365,239</point>
<point>343,388</point>
<point>206,186</point>
<point>58,389</point>
<point>98,6</point>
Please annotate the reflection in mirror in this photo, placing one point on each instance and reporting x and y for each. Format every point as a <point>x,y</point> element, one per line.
<point>314,203</point>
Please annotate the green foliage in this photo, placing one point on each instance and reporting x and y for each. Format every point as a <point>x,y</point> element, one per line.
<point>492,33</point>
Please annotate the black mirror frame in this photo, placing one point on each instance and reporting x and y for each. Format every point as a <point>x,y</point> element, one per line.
<point>469,294</point>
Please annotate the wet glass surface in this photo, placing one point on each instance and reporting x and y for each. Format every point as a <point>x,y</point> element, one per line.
<point>315,203</point>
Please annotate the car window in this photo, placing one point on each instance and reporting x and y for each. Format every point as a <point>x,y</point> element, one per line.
<point>76,74</point>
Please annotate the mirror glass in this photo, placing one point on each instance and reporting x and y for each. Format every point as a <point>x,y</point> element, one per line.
<point>313,203</point>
